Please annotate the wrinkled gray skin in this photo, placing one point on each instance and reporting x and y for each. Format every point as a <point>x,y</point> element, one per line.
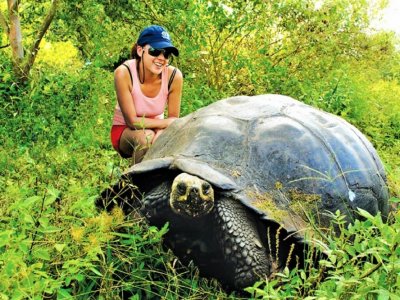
<point>264,156</point>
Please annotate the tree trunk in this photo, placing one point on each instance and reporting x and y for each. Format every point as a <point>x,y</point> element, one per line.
<point>22,63</point>
<point>15,36</point>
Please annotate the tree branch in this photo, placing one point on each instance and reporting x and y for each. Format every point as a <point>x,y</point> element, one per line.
<point>372,270</point>
<point>298,49</point>
<point>35,47</point>
<point>4,46</point>
<point>4,24</point>
<point>12,5</point>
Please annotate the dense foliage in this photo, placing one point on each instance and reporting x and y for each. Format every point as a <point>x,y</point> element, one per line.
<point>55,154</point>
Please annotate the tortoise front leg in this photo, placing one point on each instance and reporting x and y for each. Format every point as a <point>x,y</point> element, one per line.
<point>122,194</point>
<point>244,254</point>
<point>155,207</point>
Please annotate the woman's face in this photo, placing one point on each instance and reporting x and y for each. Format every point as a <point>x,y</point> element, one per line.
<point>153,62</point>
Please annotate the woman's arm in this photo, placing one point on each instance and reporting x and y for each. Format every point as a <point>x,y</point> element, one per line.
<point>123,87</point>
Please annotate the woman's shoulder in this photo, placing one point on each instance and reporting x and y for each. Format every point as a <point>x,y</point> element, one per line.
<point>178,73</point>
<point>123,71</point>
<point>126,64</point>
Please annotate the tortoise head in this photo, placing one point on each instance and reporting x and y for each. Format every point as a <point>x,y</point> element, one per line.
<point>191,196</point>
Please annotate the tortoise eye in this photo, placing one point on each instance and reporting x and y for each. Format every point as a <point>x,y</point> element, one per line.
<point>206,188</point>
<point>181,187</point>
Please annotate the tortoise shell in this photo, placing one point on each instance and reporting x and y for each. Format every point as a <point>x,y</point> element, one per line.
<point>284,159</point>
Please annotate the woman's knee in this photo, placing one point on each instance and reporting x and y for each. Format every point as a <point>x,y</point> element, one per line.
<point>146,137</point>
<point>142,137</point>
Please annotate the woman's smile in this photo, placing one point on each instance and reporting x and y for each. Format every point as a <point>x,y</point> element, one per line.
<point>158,65</point>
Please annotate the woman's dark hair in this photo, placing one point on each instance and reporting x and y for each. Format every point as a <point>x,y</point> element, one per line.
<point>134,54</point>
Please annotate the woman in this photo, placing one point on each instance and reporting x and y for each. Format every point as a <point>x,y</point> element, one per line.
<point>145,86</point>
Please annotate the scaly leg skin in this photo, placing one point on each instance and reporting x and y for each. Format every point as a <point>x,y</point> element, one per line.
<point>244,254</point>
<point>155,204</point>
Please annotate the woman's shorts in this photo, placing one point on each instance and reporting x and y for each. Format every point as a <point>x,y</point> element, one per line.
<point>116,132</point>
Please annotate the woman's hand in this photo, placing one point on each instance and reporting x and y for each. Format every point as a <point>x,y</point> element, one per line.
<point>158,132</point>
<point>169,121</point>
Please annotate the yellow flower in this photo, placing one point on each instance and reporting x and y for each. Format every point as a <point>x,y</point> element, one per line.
<point>77,233</point>
<point>118,215</point>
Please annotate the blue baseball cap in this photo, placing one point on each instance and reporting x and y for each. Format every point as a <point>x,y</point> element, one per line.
<point>157,37</point>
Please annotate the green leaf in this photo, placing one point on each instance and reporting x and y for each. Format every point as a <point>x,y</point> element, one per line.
<point>25,204</point>
<point>5,237</point>
<point>79,277</point>
<point>364,213</point>
<point>50,229</point>
<point>59,247</point>
<point>10,268</point>
<point>44,221</point>
<point>41,253</point>
<point>97,272</point>
<point>394,200</point>
<point>63,294</point>
<point>52,195</point>
<point>27,218</point>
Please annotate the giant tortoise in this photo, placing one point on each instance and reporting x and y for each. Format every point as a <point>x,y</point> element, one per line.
<point>241,181</point>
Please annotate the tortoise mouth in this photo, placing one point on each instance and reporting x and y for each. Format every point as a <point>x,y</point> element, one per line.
<point>193,207</point>
<point>191,196</point>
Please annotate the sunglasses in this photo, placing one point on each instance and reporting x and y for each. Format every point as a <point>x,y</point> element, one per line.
<point>156,52</point>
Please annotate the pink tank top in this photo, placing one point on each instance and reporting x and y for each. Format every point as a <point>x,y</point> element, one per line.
<point>145,106</point>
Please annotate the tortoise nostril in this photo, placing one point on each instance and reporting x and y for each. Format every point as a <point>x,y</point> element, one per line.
<point>194,191</point>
